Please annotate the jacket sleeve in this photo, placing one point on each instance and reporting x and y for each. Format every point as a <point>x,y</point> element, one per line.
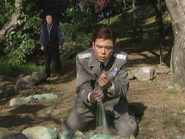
<point>60,35</point>
<point>42,38</point>
<point>121,81</point>
<point>83,83</point>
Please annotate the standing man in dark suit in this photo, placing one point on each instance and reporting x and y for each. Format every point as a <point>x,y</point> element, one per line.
<point>51,40</point>
<point>109,85</point>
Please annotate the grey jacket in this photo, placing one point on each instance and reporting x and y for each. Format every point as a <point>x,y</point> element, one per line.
<point>88,71</point>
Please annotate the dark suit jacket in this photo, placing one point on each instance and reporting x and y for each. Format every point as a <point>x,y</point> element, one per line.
<point>54,40</point>
<point>88,70</point>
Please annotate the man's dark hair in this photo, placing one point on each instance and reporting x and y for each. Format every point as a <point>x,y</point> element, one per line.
<point>49,15</point>
<point>104,33</point>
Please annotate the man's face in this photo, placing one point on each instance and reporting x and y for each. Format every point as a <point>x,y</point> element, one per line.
<point>103,49</point>
<point>49,19</point>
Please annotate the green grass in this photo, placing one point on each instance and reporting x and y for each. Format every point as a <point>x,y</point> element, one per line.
<point>174,91</point>
<point>11,70</point>
<point>165,98</point>
<point>175,117</point>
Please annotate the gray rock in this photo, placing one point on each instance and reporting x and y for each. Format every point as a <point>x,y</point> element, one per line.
<point>25,100</point>
<point>32,80</point>
<point>20,101</point>
<point>27,82</point>
<point>144,73</point>
<point>6,134</point>
<point>22,84</point>
<point>41,77</point>
<point>162,70</point>
<point>41,132</point>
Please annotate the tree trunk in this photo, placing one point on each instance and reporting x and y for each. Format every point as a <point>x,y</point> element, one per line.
<point>159,19</point>
<point>14,22</point>
<point>177,12</point>
<point>125,11</point>
<point>135,17</point>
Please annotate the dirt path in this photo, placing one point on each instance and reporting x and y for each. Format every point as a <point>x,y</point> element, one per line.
<point>164,109</point>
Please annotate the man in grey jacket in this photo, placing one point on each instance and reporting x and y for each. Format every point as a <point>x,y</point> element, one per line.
<point>109,85</point>
<point>51,40</point>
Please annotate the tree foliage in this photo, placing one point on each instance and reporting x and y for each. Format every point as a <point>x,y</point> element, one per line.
<point>78,31</point>
<point>6,9</point>
<point>22,41</point>
<point>77,18</point>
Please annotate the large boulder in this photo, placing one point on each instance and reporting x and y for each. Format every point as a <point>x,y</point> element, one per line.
<point>26,100</point>
<point>162,70</point>
<point>20,101</point>
<point>39,77</point>
<point>41,132</point>
<point>27,82</point>
<point>7,134</point>
<point>144,73</point>
<point>22,84</point>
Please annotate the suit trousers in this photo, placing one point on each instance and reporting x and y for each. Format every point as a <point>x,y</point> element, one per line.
<point>82,117</point>
<point>55,55</point>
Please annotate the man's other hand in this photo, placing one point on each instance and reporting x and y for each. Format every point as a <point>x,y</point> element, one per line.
<point>42,48</point>
<point>104,81</point>
<point>96,95</point>
<point>60,47</point>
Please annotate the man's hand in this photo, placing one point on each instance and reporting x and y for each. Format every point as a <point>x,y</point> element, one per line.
<point>60,47</point>
<point>42,48</point>
<point>104,81</point>
<point>96,95</point>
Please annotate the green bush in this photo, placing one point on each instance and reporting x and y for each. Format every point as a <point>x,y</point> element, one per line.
<point>17,54</point>
<point>6,9</point>
<point>21,42</point>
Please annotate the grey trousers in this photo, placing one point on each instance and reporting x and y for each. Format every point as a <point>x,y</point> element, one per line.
<point>80,118</point>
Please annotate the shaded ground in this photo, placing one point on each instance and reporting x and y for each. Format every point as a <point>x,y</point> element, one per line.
<point>164,109</point>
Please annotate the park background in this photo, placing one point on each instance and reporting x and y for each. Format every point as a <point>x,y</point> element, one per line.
<point>148,30</point>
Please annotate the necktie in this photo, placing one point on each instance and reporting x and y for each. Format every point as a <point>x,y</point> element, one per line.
<point>49,27</point>
<point>102,66</point>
